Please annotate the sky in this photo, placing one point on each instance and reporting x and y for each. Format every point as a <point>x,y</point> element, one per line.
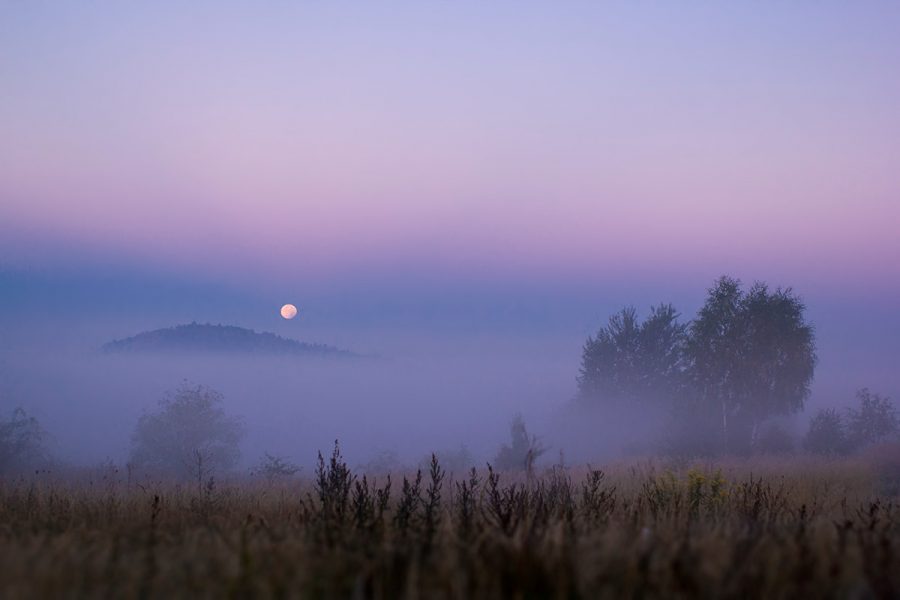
<point>469,168</point>
<point>517,140</point>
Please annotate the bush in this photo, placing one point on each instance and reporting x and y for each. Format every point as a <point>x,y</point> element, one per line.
<point>523,450</point>
<point>874,421</point>
<point>275,467</point>
<point>826,434</point>
<point>21,443</point>
<point>189,437</point>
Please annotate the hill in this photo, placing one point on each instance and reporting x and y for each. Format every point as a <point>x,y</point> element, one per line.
<point>209,338</point>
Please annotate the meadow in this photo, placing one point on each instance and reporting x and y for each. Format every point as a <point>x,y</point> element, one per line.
<point>798,527</point>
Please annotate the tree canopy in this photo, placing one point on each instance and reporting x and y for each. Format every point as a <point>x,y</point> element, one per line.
<point>189,436</point>
<point>747,356</point>
<point>21,442</point>
<point>751,353</point>
<point>874,421</point>
<point>629,359</point>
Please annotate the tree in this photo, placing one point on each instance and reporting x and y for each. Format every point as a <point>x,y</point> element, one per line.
<point>751,356</point>
<point>274,467</point>
<point>190,435</point>
<point>874,421</point>
<point>826,434</point>
<point>630,360</point>
<point>21,443</point>
<point>523,450</point>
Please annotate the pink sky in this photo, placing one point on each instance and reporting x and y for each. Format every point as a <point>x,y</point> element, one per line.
<point>529,141</point>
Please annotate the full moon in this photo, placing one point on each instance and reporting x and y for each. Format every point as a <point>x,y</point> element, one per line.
<point>288,311</point>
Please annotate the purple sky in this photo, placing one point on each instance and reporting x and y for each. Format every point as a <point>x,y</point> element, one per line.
<point>260,145</point>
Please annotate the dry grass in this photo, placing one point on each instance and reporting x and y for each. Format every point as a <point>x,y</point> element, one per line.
<point>767,528</point>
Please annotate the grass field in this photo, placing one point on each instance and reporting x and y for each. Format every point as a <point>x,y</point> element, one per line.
<point>799,528</point>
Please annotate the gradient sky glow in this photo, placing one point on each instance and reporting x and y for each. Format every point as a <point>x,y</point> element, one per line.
<point>259,143</point>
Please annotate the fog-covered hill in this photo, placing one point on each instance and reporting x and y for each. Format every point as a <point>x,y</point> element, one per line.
<point>209,338</point>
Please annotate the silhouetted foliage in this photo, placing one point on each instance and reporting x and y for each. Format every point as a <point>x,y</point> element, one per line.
<point>826,434</point>
<point>874,421</point>
<point>807,531</point>
<point>189,436</point>
<point>523,449</point>
<point>751,356</point>
<point>632,361</point>
<point>21,443</point>
<point>747,357</point>
<point>333,484</point>
<point>275,467</point>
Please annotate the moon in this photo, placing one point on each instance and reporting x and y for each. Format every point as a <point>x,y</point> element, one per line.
<point>288,311</point>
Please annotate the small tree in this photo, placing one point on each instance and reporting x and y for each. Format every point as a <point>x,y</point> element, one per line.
<point>275,467</point>
<point>826,434</point>
<point>21,443</point>
<point>523,450</point>
<point>874,421</point>
<point>189,436</point>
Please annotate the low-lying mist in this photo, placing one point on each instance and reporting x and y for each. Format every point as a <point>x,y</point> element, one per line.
<point>427,390</point>
<point>420,395</point>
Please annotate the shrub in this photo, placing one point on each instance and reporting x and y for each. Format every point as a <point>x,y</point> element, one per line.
<point>522,451</point>
<point>190,435</point>
<point>826,434</point>
<point>275,467</point>
<point>21,443</point>
<point>874,421</point>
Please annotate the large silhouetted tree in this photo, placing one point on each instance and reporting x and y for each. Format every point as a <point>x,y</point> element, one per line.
<point>751,356</point>
<point>630,360</point>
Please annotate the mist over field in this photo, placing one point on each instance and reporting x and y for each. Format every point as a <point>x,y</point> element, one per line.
<point>408,404</point>
<point>440,372</point>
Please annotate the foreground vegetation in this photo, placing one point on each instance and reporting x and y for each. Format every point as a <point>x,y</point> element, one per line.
<point>808,528</point>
